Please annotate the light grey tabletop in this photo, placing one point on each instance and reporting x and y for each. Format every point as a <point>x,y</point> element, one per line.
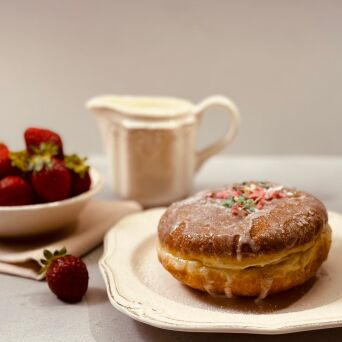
<point>30,312</point>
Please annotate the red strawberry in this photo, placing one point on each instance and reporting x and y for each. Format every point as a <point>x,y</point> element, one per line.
<point>35,137</point>
<point>15,191</point>
<point>67,275</point>
<point>5,162</point>
<point>80,183</point>
<point>79,170</point>
<point>50,178</point>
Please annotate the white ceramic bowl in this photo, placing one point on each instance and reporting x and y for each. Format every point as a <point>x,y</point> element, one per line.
<point>25,220</point>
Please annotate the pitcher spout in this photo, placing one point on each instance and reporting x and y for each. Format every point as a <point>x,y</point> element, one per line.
<point>101,103</point>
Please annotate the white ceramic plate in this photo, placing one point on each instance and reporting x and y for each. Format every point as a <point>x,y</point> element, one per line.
<point>24,220</point>
<point>138,286</point>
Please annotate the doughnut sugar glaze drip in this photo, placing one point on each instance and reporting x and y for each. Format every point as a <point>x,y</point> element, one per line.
<point>241,221</point>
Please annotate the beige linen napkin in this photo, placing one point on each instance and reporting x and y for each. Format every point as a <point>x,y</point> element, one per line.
<point>21,256</point>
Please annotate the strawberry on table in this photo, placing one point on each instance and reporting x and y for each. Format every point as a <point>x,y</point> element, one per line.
<point>35,137</point>
<point>14,190</point>
<point>50,178</point>
<point>79,171</point>
<point>5,161</point>
<point>67,275</point>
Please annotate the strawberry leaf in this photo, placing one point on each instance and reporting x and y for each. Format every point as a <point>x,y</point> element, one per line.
<point>50,257</point>
<point>45,148</point>
<point>76,164</point>
<point>39,162</point>
<point>20,160</point>
<point>47,254</point>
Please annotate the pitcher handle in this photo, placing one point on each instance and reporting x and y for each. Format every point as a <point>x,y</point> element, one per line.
<point>234,117</point>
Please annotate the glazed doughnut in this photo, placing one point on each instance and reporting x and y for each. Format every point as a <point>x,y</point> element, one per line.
<point>247,239</point>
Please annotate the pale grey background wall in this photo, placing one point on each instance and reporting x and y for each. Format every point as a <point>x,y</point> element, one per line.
<point>280,60</point>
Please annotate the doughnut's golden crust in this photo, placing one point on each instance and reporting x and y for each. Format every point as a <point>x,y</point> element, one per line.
<point>244,256</point>
<point>253,281</point>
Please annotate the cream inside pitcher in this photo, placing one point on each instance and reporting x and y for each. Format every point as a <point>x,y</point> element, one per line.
<point>151,143</point>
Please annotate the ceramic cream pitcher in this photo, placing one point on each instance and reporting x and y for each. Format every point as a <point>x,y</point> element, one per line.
<point>151,143</point>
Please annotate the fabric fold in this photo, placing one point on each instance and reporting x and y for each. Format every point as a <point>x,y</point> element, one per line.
<point>21,256</point>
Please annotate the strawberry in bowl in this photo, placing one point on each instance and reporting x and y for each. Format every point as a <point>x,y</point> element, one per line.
<point>42,188</point>
<point>35,137</point>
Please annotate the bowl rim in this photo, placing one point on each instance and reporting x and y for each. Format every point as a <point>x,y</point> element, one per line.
<point>97,184</point>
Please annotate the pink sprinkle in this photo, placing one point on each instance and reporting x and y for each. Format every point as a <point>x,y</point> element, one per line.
<point>279,195</point>
<point>236,193</point>
<point>260,204</point>
<point>235,209</point>
<point>221,195</point>
<point>257,194</point>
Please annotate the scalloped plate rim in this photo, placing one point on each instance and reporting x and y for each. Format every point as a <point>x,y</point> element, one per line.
<point>132,307</point>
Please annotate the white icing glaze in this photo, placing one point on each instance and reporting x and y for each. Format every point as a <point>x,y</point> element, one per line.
<point>228,287</point>
<point>265,286</point>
